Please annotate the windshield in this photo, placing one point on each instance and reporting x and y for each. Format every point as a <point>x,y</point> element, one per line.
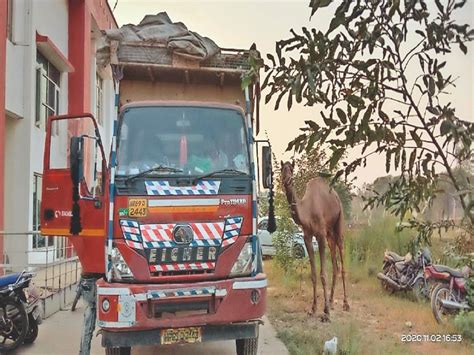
<point>198,140</point>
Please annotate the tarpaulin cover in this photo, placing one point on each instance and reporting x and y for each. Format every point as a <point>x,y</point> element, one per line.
<point>156,30</point>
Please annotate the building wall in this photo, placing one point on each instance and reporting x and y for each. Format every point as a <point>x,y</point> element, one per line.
<point>24,140</point>
<point>67,24</point>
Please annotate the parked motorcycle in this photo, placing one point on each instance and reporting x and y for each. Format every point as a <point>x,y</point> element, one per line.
<point>20,311</point>
<point>450,295</point>
<point>403,273</point>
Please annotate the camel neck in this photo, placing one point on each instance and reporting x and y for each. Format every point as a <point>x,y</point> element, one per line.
<point>293,202</point>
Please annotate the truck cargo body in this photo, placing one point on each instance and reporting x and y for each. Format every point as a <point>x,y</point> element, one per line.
<point>171,221</point>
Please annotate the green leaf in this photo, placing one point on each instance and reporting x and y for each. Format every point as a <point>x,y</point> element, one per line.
<point>336,156</point>
<point>404,160</point>
<point>290,100</point>
<point>388,157</point>
<point>445,128</point>
<point>316,4</point>
<point>411,162</point>
<point>338,20</point>
<point>416,138</point>
<point>355,101</point>
<point>270,57</point>
<point>342,115</point>
<point>395,7</point>
<point>431,86</point>
<point>383,115</point>
<point>246,81</point>
<point>433,110</point>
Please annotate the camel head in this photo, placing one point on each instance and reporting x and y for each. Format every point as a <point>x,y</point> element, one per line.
<point>287,169</point>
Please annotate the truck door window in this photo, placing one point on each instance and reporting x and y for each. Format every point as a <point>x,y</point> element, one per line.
<point>91,185</point>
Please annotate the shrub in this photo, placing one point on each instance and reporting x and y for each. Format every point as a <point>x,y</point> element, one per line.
<point>367,245</point>
<point>283,241</point>
<point>464,322</point>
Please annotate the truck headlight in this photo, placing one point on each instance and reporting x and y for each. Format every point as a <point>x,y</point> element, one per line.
<point>119,267</point>
<point>243,264</point>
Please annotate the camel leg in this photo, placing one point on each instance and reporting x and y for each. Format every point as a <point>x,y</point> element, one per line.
<point>322,248</point>
<point>309,247</point>
<point>340,244</point>
<point>332,248</point>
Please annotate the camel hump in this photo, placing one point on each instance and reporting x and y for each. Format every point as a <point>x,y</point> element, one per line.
<point>320,184</point>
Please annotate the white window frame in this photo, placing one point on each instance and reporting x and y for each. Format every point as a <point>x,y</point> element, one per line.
<point>99,99</point>
<point>42,107</point>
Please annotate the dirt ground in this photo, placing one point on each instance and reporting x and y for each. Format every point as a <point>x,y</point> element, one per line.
<point>375,323</point>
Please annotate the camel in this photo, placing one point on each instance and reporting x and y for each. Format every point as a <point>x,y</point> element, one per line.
<point>319,213</point>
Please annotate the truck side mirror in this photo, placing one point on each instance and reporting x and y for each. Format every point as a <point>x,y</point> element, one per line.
<point>77,159</point>
<point>267,167</point>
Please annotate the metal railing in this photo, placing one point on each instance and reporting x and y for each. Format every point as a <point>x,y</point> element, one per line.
<point>56,266</point>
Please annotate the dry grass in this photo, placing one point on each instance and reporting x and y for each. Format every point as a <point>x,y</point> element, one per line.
<point>373,326</point>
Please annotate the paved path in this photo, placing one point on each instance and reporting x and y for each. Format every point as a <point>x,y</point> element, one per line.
<point>60,334</point>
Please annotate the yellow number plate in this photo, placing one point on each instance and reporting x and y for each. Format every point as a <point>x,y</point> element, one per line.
<point>137,207</point>
<point>181,335</point>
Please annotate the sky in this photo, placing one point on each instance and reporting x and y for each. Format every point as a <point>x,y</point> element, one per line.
<point>239,23</point>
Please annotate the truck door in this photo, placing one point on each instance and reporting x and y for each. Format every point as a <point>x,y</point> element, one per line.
<point>74,187</point>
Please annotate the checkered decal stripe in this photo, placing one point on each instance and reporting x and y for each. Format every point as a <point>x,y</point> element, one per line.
<point>163,188</point>
<point>183,266</point>
<point>231,230</point>
<point>131,233</point>
<point>181,293</point>
<point>161,235</point>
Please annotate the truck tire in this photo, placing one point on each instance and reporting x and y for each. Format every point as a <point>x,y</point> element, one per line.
<point>247,346</point>
<point>118,351</point>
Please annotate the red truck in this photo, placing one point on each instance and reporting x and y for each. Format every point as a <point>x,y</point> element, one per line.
<point>170,220</point>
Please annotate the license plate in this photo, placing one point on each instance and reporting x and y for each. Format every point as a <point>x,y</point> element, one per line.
<point>181,335</point>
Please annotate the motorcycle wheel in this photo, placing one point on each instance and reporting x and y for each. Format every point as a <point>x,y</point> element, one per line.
<point>32,333</point>
<point>13,324</point>
<point>388,272</point>
<point>420,291</point>
<point>441,292</point>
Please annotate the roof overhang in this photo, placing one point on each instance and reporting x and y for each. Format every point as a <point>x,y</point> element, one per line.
<point>47,47</point>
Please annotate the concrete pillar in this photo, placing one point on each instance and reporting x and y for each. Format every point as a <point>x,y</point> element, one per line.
<point>79,56</point>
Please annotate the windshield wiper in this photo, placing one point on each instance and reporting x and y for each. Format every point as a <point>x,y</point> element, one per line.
<point>155,168</point>
<point>217,172</point>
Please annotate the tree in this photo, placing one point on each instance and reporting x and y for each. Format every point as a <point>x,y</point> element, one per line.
<point>360,72</point>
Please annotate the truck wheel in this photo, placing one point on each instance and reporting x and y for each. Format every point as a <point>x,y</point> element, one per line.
<point>247,346</point>
<point>118,351</point>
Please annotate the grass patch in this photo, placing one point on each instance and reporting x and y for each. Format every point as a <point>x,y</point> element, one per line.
<point>377,319</point>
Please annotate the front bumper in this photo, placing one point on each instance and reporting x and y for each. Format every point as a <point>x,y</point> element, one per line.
<point>153,337</point>
<point>142,307</point>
